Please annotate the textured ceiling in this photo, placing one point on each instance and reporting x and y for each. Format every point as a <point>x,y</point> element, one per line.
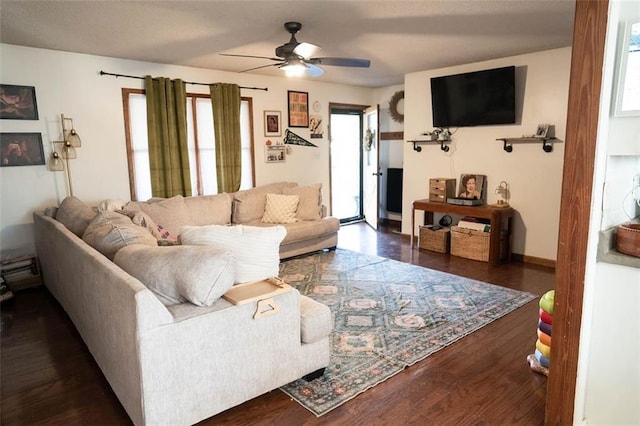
<point>398,37</point>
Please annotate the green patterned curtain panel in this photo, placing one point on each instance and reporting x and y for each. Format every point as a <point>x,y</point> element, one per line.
<point>167,133</point>
<point>225,99</point>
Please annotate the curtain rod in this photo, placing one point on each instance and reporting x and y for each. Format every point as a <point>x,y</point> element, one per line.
<point>186,82</point>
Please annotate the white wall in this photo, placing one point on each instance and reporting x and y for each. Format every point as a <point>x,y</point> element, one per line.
<point>534,176</point>
<point>69,83</point>
<point>608,379</point>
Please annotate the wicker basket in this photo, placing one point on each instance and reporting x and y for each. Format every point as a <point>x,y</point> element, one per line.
<point>470,243</point>
<point>437,240</point>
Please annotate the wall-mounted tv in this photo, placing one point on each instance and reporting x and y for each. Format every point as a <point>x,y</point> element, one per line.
<point>475,98</point>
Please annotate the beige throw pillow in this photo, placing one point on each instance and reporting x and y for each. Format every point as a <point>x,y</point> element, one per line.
<point>75,215</point>
<point>178,274</point>
<point>280,208</point>
<point>170,214</point>
<point>110,231</point>
<point>310,205</point>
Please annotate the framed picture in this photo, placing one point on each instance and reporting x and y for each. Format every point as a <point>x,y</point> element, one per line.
<point>21,149</point>
<point>298,109</point>
<point>272,126</point>
<point>315,126</point>
<point>472,187</point>
<point>18,102</point>
<point>542,131</point>
<point>275,154</point>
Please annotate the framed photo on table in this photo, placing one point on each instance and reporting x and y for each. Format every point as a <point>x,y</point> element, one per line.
<point>298,109</point>
<point>18,102</point>
<point>272,123</point>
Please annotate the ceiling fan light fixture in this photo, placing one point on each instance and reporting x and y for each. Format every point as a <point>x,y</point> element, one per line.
<point>294,68</point>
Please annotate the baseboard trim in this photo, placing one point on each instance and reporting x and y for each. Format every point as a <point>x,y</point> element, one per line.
<point>549,263</point>
<point>390,222</point>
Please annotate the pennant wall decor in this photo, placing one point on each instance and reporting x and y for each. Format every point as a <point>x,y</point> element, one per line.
<point>291,138</point>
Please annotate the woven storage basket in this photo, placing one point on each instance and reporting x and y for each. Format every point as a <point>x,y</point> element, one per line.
<point>437,240</point>
<point>470,243</point>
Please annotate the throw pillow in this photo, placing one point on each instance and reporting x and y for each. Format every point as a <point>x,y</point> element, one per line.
<point>110,231</point>
<point>178,274</point>
<point>170,213</point>
<point>256,249</point>
<point>310,204</point>
<point>249,204</point>
<point>111,204</point>
<point>75,215</point>
<point>280,208</point>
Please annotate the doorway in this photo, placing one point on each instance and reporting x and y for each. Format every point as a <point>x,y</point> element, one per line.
<point>345,125</point>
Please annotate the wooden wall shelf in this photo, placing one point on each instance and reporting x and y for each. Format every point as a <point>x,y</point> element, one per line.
<point>391,136</point>
<point>442,143</point>
<point>547,143</point>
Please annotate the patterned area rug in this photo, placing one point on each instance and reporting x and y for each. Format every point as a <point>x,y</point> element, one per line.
<point>387,315</point>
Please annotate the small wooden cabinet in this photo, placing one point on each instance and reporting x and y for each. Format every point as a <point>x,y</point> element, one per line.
<point>440,189</point>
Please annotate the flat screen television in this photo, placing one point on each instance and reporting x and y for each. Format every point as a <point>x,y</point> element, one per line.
<point>475,98</point>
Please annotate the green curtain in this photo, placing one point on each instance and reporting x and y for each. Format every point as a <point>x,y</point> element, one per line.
<point>225,99</point>
<point>167,133</point>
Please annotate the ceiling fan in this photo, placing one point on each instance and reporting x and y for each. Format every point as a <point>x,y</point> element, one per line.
<point>295,58</point>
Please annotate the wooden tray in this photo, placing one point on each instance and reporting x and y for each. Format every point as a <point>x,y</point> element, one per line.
<point>257,290</point>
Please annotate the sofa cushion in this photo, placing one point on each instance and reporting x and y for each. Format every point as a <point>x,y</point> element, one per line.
<point>169,213</point>
<point>249,204</point>
<point>304,230</point>
<point>178,274</point>
<point>315,320</point>
<point>210,209</point>
<point>310,204</point>
<point>75,215</point>
<point>280,208</point>
<point>257,250</point>
<point>110,231</point>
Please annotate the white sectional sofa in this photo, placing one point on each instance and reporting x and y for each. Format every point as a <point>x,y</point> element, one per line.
<point>169,360</point>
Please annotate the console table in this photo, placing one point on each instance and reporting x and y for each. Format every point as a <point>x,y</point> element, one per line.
<point>496,215</point>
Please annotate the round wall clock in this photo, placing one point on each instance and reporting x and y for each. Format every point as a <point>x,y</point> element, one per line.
<point>393,106</point>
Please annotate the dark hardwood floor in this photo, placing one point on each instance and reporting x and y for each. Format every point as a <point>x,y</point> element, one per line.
<point>49,377</point>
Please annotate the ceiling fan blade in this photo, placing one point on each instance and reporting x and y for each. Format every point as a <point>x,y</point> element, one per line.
<point>313,70</point>
<point>262,66</point>
<point>306,50</point>
<point>250,56</point>
<point>341,62</point>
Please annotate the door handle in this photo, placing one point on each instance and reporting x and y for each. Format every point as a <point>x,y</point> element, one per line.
<point>376,174</point>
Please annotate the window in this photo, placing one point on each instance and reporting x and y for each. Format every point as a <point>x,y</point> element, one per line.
<point>201,140</point>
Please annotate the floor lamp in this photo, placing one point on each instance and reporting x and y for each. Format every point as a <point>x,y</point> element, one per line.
<point>60,156</point>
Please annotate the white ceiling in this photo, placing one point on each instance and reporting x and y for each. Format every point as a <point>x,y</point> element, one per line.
<point>398,36</point>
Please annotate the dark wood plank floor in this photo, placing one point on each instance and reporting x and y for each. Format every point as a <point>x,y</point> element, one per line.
<point>49,377</point>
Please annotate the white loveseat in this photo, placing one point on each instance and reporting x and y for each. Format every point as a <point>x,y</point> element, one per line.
<point>173,362</point>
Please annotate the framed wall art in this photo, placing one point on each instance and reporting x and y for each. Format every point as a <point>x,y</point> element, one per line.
<point>272,123</point>
<point>21,149</point>
<point>18,102</point>
<point>315,126</point>
<point>298,108</point>
<point>275,154</point>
